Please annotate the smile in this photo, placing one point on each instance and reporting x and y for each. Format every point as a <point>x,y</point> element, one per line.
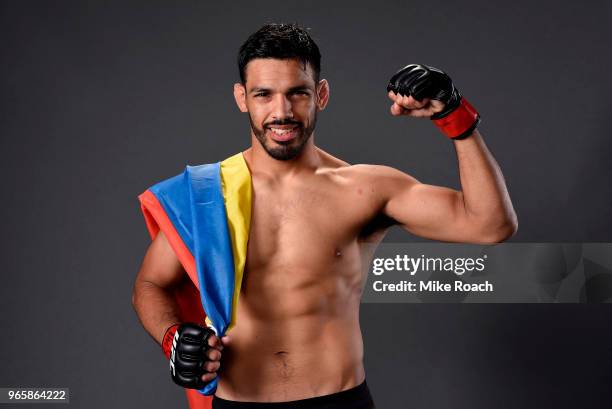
<point>283,134</point>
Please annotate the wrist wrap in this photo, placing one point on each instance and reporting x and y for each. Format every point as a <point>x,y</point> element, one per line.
<point>460,122</point>
<point>167,341</point>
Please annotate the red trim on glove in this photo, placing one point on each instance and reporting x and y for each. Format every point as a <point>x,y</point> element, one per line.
<point>459,121</point>
<point>167,341</point>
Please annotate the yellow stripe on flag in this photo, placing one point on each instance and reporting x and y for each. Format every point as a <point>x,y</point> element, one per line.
<point>237,191</point>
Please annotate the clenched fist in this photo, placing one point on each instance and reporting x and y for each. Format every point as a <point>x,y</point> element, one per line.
<point>422,91</point>
<point>194,352</point>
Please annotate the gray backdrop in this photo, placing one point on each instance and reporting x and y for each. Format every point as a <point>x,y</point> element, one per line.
<point>100,100</point>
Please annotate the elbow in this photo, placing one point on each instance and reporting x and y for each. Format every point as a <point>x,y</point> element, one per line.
<point>510,225</point>
<point>504,233</point>
<point>134,298</point>
<point>501,231</point>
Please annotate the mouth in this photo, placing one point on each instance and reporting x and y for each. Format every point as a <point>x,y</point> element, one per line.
<point>282,133</point>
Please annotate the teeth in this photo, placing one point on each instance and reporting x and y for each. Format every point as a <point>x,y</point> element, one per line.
<point>280,131</point>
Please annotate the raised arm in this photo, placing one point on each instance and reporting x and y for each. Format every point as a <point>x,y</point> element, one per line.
<point>480,213</point>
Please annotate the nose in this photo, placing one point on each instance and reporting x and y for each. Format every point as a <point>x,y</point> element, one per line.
<point>282,107</point>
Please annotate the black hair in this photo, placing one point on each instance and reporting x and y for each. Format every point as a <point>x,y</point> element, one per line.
<point>282,41</point>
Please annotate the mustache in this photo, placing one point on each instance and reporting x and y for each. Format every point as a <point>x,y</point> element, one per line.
<point>282,122</point>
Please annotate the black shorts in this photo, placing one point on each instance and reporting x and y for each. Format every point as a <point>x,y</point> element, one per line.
<point>355,398</point>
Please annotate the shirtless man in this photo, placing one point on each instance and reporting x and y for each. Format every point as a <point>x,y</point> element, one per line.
<point>297,334</point>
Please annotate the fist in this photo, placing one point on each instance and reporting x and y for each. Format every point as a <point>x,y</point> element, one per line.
<point>195,356</point>
<point>422,91</point>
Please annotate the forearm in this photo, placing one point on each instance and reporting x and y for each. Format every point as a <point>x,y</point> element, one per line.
<point>156,308</point>
<point>484,194</point>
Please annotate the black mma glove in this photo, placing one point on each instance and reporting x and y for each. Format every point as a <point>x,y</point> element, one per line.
<point>186,346</point>
<point>458,119</point>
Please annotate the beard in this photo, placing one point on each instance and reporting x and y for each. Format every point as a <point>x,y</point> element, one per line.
<point>284,150</point>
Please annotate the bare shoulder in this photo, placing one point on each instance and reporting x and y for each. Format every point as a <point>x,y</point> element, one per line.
<point>380,176</point>
<point>378,173</point>
<point>379,183</point>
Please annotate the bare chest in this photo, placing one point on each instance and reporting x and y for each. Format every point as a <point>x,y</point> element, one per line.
<point>304,255</point>
<point>306,223</point>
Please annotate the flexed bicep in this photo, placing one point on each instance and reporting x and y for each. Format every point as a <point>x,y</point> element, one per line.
<point>429,211</point>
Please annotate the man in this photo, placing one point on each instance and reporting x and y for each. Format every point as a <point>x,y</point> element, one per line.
<point>296,335</point>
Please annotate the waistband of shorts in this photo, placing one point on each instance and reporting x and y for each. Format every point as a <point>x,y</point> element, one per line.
<point>357,396</point>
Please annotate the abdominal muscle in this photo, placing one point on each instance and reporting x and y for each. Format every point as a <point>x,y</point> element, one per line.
<point>296,336</point>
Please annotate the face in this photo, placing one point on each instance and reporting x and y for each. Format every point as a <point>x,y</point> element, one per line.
<point>282,101</point>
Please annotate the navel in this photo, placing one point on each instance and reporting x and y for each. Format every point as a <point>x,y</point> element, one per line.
<point>284,368</point>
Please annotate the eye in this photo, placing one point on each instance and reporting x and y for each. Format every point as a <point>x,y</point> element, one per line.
<point>261,94</point>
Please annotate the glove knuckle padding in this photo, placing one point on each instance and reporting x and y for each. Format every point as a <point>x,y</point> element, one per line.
<point>188,381</point>
<point>189,348</point>
<point>422,81</point>
<point>187,363</point>
<point>191,331</point>
<point>189,355</point>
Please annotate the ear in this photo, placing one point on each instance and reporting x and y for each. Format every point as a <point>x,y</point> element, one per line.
<point>240,96</point>
<point>322,94</point>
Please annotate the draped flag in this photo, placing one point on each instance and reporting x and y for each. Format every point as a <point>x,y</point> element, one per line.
<point>205,214</point>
